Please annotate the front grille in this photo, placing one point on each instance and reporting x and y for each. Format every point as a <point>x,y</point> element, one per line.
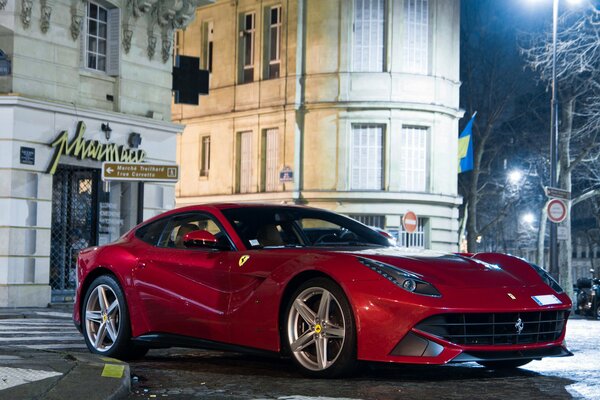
<point>496,328</point>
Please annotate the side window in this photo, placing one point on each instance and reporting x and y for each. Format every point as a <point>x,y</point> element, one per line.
<point>181,225</point>
<point>151,232</point>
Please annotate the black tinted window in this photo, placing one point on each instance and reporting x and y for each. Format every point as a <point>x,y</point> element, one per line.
<point>150,233</point>
<point>283,226</point>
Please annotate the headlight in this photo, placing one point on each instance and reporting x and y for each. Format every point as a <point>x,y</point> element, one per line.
<point>401,278</point>
<point>548,280</point>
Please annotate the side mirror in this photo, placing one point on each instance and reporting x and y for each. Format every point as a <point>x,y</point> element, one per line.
<point>200,239</point>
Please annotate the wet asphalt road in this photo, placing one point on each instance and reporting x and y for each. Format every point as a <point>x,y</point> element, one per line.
<point>183,373</point>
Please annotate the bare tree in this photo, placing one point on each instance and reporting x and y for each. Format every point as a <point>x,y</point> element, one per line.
<point>491,74</point>
<point>577,72</point>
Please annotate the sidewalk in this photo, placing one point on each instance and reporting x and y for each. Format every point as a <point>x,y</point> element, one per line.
<point>47,374</point>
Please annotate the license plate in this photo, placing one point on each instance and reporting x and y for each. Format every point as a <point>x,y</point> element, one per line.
<point>546,300</point>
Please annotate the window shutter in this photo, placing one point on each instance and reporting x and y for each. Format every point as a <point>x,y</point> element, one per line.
<point>114,42</point>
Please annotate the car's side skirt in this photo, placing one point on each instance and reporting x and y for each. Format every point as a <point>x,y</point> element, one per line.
<point>164,340</point>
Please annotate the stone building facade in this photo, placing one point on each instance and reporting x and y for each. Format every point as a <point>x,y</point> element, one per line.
<point>349,105</point>
<point>89,81</point>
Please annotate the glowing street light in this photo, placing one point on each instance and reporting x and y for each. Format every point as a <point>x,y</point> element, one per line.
<point>515,176</point>
<point>528,218</point>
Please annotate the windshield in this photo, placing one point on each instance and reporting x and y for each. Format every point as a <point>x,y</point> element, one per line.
<point>260,227</point>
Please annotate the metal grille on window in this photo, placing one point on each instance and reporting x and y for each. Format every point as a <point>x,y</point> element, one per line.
<point>377,221</point>
<point>366,157</point>
<point>369,31</point>
<point>415,239</point>
<point>416,36</point>
<point>73,225</point>
<point>413,159</point>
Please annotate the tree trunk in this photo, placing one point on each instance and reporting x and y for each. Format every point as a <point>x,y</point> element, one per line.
<point>541,240</point>
<point>565,247</point>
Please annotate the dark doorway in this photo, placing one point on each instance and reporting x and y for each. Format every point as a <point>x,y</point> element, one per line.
<point>74,225</point>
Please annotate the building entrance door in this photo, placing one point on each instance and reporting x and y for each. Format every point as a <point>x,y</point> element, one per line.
<point>74,225</point>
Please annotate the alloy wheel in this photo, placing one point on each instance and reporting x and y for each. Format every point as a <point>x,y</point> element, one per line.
<point>316,328</point>
<point>102,318</point>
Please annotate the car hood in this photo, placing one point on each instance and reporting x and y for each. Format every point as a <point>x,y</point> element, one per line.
<point>454,270</point>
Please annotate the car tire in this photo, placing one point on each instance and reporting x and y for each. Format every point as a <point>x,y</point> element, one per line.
<point>105,324</point>
<point>319,331</point>
<point>505,364</point>
<point>598,311</point>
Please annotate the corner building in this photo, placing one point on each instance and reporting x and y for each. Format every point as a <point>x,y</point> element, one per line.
<point>81,82</point>
<point>348,105</point>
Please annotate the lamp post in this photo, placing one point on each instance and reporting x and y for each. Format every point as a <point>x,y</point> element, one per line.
<point>554,142</point>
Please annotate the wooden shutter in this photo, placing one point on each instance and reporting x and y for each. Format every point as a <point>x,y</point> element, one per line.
<point>114,42</point>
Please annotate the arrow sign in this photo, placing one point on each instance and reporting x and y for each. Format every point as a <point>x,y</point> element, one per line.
<point>112,171</point>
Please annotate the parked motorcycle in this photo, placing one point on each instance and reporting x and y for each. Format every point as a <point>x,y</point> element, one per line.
<point>588,297</point>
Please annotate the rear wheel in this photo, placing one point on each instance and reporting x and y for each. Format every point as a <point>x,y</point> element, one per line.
<point>320,333</point>
<point>106,326</point>
<point>505,364</point>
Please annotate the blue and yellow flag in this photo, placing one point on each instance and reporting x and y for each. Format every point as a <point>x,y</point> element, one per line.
<point>465,147</point>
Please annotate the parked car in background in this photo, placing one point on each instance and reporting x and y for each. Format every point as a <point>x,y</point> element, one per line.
<point>588,297</point>
<point>313,285</point>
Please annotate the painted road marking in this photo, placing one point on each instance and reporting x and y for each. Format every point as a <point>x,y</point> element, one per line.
<point>10,377</point>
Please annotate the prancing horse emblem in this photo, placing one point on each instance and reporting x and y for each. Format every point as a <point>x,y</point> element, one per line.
<point>519,326</point>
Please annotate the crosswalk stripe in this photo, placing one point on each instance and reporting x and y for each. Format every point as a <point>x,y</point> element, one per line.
<point>36,338</point>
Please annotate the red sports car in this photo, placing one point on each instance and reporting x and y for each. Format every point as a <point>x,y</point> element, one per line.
<point>314,285</point>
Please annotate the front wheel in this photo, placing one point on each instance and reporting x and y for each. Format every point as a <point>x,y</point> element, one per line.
<point>505,364</point>
<point>320,333</point>
<point>106,327</point>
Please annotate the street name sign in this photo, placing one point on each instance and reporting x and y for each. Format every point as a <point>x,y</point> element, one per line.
<point>557,193</point>
<point>112,171</point>
<point>557,210</point>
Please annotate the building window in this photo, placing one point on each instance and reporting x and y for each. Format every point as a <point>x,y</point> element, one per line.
<point>177,45</point>
<point>366,158</point>
<point>274,43</point>
<point>208,45</point>
<point>204,156</point>
<point>369,35</point>
<point>415,239</point>
<point>377,221</point>
<point>247,43</point>
<point>244,162</point>
<point>416,36</point>
<point>100,44</point>
<point>270,161</point>
<point>414,159</point>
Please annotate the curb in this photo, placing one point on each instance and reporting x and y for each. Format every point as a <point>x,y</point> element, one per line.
<point>93,377</point>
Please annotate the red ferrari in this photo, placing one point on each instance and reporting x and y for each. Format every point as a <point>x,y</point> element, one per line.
<point>313,285</point>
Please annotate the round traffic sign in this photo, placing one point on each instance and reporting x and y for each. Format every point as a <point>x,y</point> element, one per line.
<point>557,210</point>
<point>409,222</point>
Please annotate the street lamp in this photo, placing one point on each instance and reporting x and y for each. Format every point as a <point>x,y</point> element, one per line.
<point>515,176</point>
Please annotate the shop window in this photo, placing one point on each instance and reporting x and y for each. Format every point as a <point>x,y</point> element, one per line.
<point>369,36</point>
<point>416,36</point>
<point>273,48</point>
<point>270,160</point>
<point>247,36</point>
<point>100,45</point>
<point>366,157</point>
